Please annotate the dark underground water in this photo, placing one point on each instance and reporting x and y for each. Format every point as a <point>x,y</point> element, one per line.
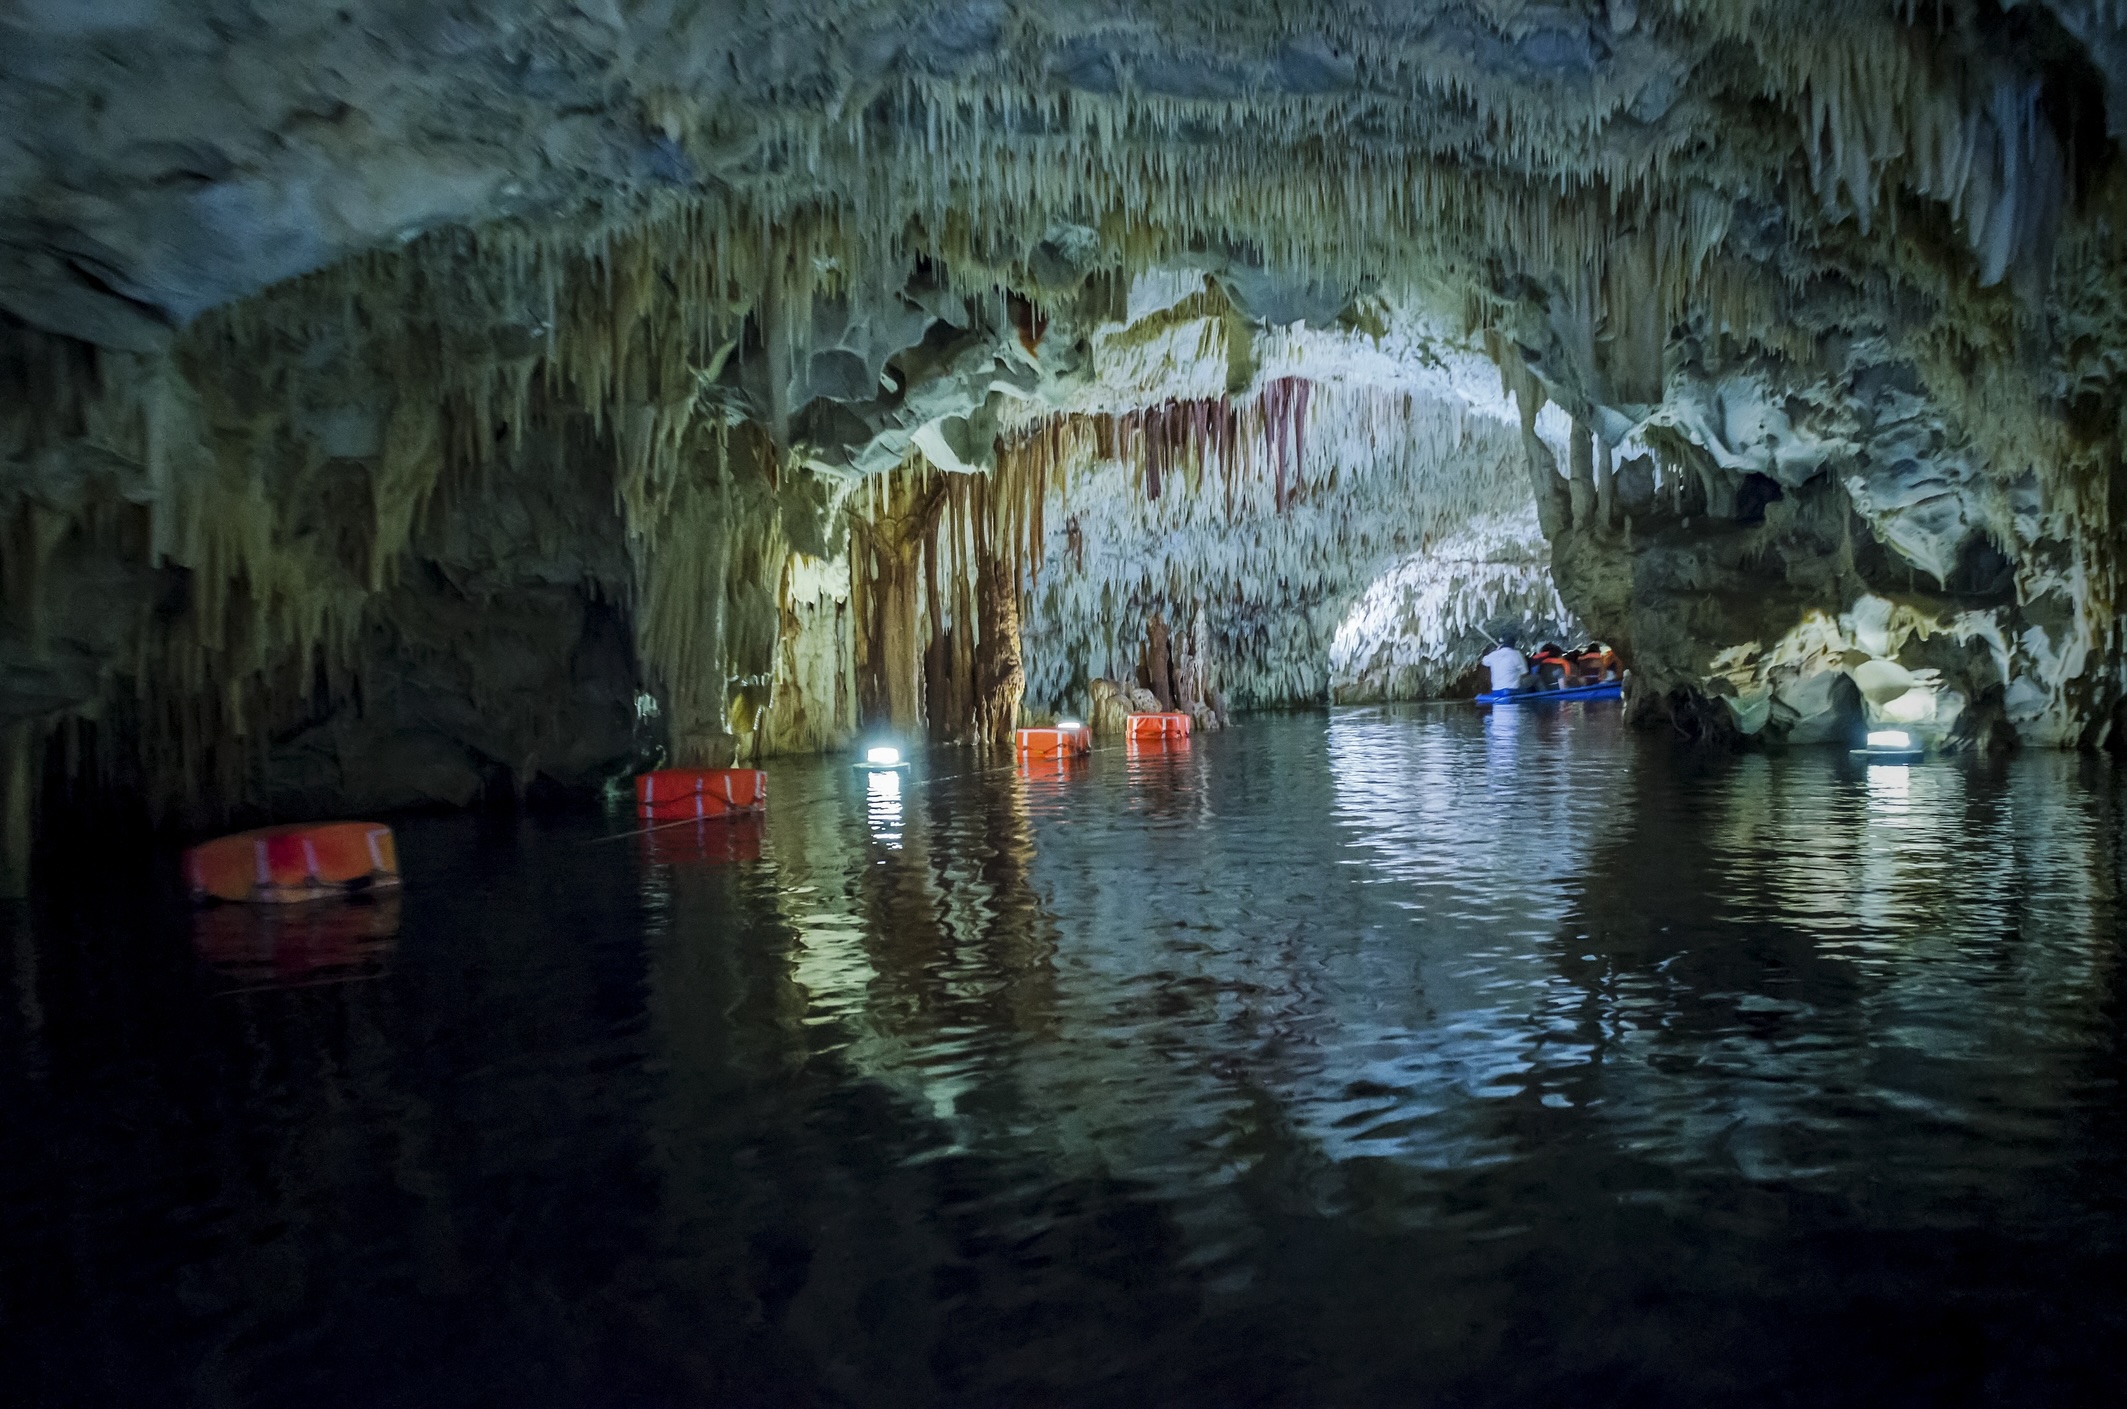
<point>1388,1058</point>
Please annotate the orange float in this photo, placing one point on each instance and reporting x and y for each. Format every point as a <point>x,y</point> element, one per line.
<point>1056,742</point>
<point>1145,728</point>
<point>284,865</point>
<point>676,794</point>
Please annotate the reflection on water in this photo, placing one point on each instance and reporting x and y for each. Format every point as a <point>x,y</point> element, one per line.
<point>1414,1056</point>
<point>883,804</point>
<point>325,941</point>
<point>702,841</point>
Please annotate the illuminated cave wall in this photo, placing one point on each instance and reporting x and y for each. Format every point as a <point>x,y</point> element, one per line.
<point>1419,629</point>
<point>1252,539</point>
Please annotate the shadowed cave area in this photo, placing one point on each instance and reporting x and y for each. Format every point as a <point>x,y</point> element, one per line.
<point>447,413</point>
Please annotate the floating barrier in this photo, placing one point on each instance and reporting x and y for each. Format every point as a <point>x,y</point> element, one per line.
<point>676,794</point>
<point>1059,741</point>
<point>288,865</point>
<point>1147,727</point>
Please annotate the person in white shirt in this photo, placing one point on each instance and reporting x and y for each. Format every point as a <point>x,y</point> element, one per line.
<point>1509,667</point>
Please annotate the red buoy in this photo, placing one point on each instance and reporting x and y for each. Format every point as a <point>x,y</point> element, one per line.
<point>283,865</point>
<point>1145,728</point>
<point>1056,741</point>
<point>675,794</point>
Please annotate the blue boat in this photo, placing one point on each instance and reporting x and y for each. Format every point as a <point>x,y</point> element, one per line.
<point>1607,690</point>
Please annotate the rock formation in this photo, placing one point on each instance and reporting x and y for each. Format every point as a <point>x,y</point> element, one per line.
<point>413,402</point>
<point>1420,628</point>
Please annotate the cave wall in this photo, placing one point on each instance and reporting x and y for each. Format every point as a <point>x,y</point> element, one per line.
<point>320,563</point>
<point>1892,561</point>
<point>498,664</point>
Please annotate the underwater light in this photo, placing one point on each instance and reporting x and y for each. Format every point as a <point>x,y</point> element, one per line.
<point>881,758</point>
<point>1889,746</point>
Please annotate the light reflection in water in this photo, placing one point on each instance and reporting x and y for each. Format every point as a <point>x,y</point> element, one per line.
<point>1402,1057</point>
<point>882,792</point>
<point>1890,787</point>
<point>1499,914</point>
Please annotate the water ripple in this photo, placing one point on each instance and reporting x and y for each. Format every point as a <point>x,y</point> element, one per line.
<point>1411,1054</point>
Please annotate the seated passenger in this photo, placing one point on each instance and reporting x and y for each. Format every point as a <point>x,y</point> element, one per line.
<point>1552,667</point>
<point>1510,669</point>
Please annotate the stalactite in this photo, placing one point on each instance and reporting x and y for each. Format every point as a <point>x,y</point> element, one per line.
<point>1554,506</point>
<point>1285,433</point>
<point>1165,442</point>
<point>1580,479</point>
<point>1387,473</point>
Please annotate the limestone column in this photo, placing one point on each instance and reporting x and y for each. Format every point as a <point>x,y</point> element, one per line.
<point>1582,484</point>
<point>1000,680</point>
<point>1554,510</point>
<point>905,511</point>
<point>900,659</point>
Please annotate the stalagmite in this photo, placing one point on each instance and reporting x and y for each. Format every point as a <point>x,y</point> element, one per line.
<point>1159,666</point>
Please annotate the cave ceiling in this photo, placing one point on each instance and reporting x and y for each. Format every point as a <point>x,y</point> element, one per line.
<point>170,158</point>
<point>1796,185</point>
